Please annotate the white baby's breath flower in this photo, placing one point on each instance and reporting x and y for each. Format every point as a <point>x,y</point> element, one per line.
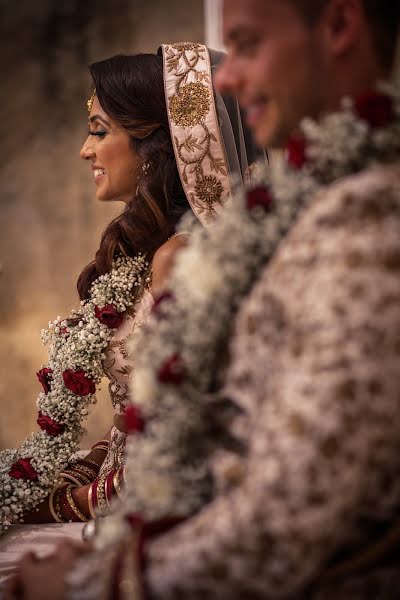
<point>78,344</point>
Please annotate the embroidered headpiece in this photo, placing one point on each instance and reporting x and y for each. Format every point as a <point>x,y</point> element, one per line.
<point>194,126</point>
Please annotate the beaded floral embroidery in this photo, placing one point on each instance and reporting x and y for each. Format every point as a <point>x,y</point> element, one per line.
<point>194,127</point>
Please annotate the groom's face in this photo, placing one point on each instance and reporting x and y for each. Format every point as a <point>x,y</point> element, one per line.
<point>275,65</point>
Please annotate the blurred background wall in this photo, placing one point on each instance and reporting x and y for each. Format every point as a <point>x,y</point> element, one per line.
<point>50,221</point>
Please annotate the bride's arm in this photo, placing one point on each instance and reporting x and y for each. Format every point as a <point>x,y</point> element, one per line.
<point>42,513</point>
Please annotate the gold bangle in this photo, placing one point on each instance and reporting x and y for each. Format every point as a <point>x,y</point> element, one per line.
<point>73,506</point>
<point>101,496</point>
<point>92,462</point>
<point>90,502</point>
<point>118,487</point>
<point>101,445</point>
<point>57,518</point>
<point>85,463</point>
<point>86,473</point>
<point>68,477</point>
<point>103,448</point>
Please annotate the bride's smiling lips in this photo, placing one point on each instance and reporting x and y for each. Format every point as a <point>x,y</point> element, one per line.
<point>98,172</point>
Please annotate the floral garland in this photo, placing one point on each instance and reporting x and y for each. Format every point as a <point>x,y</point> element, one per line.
<point>175,371</point>
<point>77,350</point>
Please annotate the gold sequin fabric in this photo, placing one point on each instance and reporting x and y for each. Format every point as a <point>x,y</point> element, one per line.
<point>195,131</point>
<point>314,370</point>
<point>191,105</point>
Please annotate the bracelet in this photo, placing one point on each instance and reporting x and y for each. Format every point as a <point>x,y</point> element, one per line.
<point>118,486</point>
<point>76,477</point>
<point>101,445</point>
<point>53,511</point>
<point>64,508</point>
<point>86,462</point>
<point>101,496</point>
<point>94,498</point>
<point>90,500</point>
<point>80,473</point>
<point>109,487</point>
<point>68,477</point>
<point>84,471</point>
<point>72,504</point>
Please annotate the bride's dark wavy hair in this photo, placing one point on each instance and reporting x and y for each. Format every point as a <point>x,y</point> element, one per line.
<point>130,89</point>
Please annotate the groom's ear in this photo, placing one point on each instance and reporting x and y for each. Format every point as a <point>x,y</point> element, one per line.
<point>342,25</point>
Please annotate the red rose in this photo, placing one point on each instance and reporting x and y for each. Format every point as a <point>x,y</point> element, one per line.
<point>159,300</point>
<point>45,376</point>
<point>375,108</point>
<point>172,370</point>
<point>108,315</point>
<point>64,331</point>
<point>133,419</point>
<point>78,382</point>
<point>296,151</point>
<point>22,469</point>
<point>49,425</point>
<point>259,196</point>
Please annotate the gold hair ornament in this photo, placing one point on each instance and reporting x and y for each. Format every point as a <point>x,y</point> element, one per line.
<point>89,103</point>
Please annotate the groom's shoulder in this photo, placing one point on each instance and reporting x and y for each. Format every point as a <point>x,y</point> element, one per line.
<point>363,202</point>
<point>359,211</point>
<point>370,194</point>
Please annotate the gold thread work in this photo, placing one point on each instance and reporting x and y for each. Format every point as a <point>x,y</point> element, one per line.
<point>189,107</point>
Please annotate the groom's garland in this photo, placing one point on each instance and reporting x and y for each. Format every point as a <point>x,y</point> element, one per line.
<point>75,366</point>
<point>175,370</point>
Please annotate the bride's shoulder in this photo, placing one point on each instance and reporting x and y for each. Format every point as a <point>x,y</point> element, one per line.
<point>164,259</point>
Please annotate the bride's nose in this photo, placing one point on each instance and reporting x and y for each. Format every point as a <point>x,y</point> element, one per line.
<point>87,151</point>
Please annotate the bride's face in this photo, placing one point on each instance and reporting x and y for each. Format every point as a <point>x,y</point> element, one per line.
<point>113,161</point>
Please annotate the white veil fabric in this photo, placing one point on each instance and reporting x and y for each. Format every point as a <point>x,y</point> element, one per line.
<point>240,147</point>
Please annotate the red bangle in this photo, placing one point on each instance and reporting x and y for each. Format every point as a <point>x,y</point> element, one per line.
<point>109,486</point>
<point>65,507</point>
<point>89,464</point>
<point>95,485</point>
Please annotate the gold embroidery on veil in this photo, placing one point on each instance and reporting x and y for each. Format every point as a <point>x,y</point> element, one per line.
<point>194,127</point>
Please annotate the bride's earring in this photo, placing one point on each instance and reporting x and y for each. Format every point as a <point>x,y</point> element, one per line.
<point>144,171</point>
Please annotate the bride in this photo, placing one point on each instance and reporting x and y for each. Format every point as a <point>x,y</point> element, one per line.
<point>161,150</point>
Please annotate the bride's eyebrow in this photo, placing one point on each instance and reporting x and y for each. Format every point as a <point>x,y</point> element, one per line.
<point>94,118</point>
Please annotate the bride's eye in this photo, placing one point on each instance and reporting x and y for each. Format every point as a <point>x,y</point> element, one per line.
<point>99,133</point>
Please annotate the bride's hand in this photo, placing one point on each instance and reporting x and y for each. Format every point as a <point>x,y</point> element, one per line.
<point>44,579</point>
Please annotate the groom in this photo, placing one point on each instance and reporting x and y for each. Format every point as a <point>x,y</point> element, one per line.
<point>310,509</point>
<point>314,355</point>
